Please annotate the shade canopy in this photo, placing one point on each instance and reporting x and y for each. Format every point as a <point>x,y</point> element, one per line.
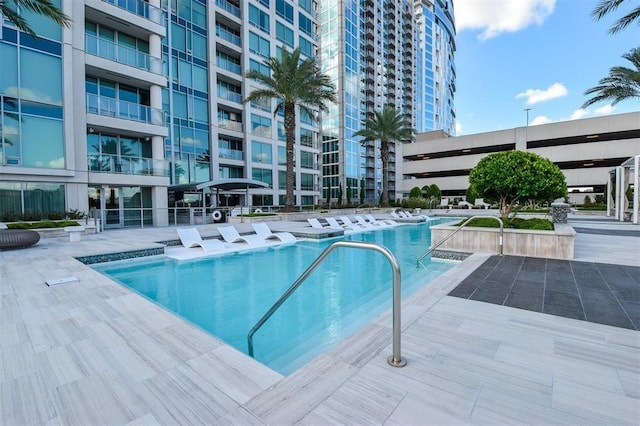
<point>229,184</point>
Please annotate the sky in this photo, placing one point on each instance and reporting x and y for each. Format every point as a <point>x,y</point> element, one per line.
<point>513,55</point>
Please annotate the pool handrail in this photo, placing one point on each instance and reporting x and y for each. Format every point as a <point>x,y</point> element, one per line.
<point>395,359</point>
<point>462,225</point>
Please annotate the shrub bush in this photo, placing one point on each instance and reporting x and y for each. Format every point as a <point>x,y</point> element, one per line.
<point>516,223</point>
<point>415,203</point>
<point>42,224</point>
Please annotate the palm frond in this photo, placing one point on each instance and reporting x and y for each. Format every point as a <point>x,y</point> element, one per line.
<point>42,7</point>
<point>621,84</point>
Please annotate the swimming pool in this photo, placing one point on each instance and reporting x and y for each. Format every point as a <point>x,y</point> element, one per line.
<point>227,295</point>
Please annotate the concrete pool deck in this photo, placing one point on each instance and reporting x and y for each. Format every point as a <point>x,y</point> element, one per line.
<point>93,352</point>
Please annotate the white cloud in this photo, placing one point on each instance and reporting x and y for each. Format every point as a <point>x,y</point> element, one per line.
<point>494,17</point>
<point>607,109</point>
<point>458,128</point>
<point>541,119</point>
<point>578,114</point>
<point>534,96</point>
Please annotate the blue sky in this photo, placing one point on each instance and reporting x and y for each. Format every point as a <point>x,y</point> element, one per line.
<point>538,54</point>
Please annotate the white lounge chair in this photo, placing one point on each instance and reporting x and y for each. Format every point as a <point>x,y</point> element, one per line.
<point>480,203</point>
<point>360,221</point>
<point>387,222</point>
<point>403,215</point>
<point>423,216</point>
<point>263,231</point>
<point>231,235</point>
<point>444,203</point>
<point>333,223</point>
<point>395,215</point>
<point>465,204</point>
<point>315,223</point>
<point>347,222</point>
<point>190,237</point>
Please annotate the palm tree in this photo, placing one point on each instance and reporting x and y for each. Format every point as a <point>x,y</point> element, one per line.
<point>621,84</point>
<point>9,8</point>
<point>386,126</point>
<point>607,6</point>
<point>293,82</point>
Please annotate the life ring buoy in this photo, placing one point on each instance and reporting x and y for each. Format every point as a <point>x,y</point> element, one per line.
<point>217,215</point>
<point>257,211</point>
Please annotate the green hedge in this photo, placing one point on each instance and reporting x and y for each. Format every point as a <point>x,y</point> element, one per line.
<point>517,223</point>
<point>42,224</point>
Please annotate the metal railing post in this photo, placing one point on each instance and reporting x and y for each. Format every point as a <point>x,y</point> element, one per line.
<point>455,231</point>
<point>395,359</point>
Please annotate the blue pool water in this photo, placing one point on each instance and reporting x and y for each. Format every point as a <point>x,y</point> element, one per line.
<point>226,295</point>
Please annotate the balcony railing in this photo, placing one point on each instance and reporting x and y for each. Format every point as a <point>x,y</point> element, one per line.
<point>231,8</point>
<point>140,8</point>
<point>108,163</point>
<point>228,65</point>
<point>230,96</point>
<point>228,35</point>
<point>111,107</point>
<point>122,54</point>
<point>232,154</point>
<point>230,125</point>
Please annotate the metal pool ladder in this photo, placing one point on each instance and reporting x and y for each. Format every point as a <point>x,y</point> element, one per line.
<point>395,359</point>
<point>455,231</point>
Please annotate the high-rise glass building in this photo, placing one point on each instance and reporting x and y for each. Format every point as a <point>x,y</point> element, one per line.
<point>397,53</point>
<point>435,66</point>
<point>138,101</point>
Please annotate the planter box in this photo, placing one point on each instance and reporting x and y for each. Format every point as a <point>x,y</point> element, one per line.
<point>556,244</point>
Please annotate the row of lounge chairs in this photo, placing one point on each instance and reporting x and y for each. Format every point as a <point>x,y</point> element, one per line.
<point>400,214</point>
<point>191,238</point>
<point>361,223</point>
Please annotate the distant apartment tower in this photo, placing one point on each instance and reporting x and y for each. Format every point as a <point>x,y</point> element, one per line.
<point>378,53</point>
<point>214,135</point>
<point>138,97</point>
<point>435,66</point>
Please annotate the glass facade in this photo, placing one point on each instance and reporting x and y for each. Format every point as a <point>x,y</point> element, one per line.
<point>435,67</point>
<point>373,52</point>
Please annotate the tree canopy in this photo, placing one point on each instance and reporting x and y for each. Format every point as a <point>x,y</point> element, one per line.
<point>386,126</point>
<point>510,176</point>
<point>293,82</point>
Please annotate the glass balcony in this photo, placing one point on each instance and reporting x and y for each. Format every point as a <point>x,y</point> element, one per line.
<point>228,36</point>
<point>230,125</point>
<point>140,8</point>
<point>122,54</point>
<point>111,107</point>
<point>232,154</point>
<point>228,65</point>
<point>229,7</point>
<point>107,163</point>
<point>229,95</point>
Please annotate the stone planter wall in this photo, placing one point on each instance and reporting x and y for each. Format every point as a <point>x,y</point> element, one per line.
<point>557,244</point>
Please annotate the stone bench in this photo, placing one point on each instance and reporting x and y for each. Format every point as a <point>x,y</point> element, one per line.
<point>75,232</point>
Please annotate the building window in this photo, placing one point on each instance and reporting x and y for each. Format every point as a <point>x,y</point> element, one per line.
<point>263,175</point>
<point>305,24</point>
<point>260,126</point>
<point>258,45</point>
<point>284,34</point>
<point>261,152</point>
<point>284,9</point>
<point>31,201</point>
<point>259,18</point>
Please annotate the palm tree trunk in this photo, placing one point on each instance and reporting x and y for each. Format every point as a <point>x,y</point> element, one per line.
<point>384,153</point>
<point>290,129</point>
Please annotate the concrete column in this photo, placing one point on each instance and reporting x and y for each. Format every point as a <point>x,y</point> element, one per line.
<point>159,200</point>
<point>636,189</point>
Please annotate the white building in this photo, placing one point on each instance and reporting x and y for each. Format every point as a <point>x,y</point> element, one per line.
<point>585,150</point>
